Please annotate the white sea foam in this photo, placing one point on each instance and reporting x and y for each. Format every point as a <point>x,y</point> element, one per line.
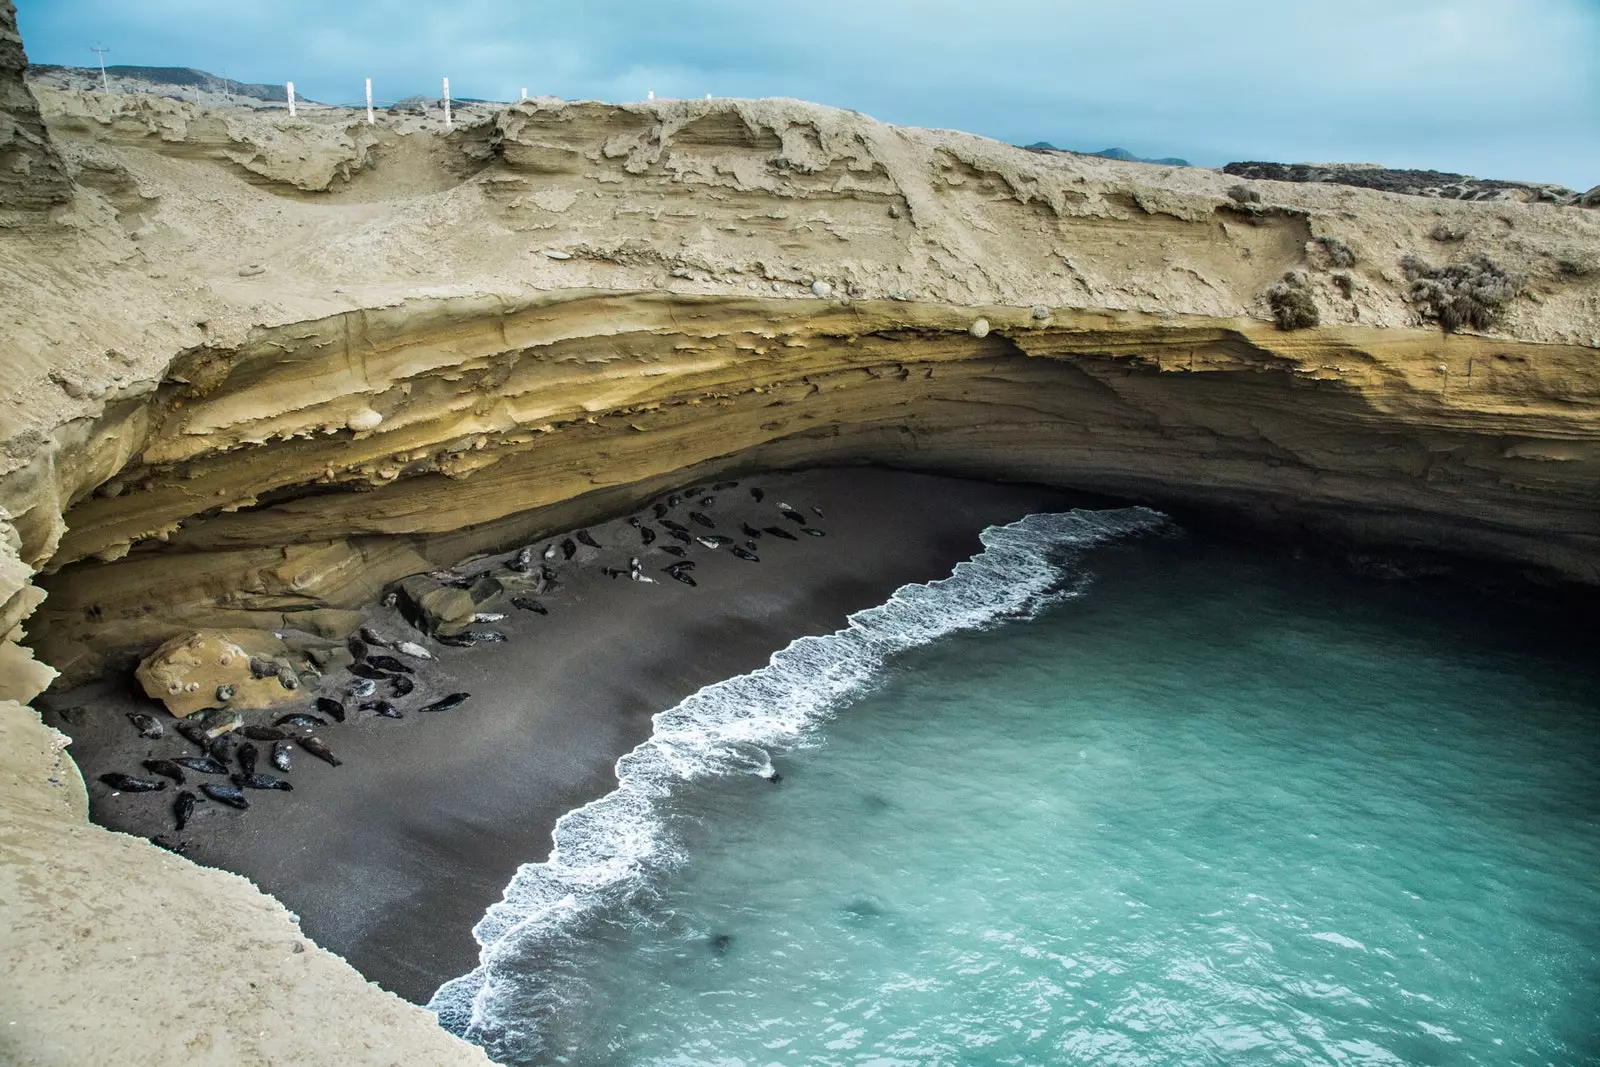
<point>606,851</point>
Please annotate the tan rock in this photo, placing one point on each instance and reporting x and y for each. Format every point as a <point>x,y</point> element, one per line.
<point>207,669</point>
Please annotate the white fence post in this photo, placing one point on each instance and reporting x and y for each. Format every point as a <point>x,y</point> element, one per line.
<point>447,121</point>
<point>650,94</point>
<point>291,98</point>
<point>369,101</point>
<point>524,93</point>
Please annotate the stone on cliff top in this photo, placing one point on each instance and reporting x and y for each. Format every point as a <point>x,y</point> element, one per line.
<point>435,608</point>
<point>193,670</point>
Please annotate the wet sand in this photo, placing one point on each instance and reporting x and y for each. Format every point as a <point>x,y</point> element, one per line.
<point>391,858</point>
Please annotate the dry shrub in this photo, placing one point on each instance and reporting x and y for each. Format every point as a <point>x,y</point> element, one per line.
<point>1292,305</point>
<point>1244,194</point>
<point>1465,295</point>
<point>1339,254</point>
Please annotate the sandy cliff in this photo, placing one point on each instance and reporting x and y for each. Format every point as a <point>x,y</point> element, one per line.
<point>256,367</point>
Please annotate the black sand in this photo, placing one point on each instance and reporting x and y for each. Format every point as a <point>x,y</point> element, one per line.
<point>391,858</point>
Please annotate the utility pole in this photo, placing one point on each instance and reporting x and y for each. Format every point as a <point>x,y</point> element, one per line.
<point>101,50</point>
<point>447,122</point>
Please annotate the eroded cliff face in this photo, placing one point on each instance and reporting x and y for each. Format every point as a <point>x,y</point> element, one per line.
<point>267,365</point>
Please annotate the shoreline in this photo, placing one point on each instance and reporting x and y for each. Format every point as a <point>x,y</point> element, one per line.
<point>392,858</point>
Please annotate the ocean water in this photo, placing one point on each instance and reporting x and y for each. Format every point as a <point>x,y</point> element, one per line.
<point>1111,794</point>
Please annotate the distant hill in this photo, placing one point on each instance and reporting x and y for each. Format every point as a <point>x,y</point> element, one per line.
<point>182,82</point>
<point>1110,153</point>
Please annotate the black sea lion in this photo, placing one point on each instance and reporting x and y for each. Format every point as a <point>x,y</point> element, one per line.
<point>127,783</point>
<point>357,647</point>
<point>721,486</point>
<point>680,535</point>
<point>300,718</point>
<point>365,669</point>
<point>389,663</point>
<point>147,727</point>
<point>749,531</point>
<point>166,768</point>
<point>230,795</point>
<point>529,605</point>
<point>682,576</point>
<point>194,735</point>
<point>587,538</point>
<point>695,516</point>
<point>201,764</point>
<point>319,750</point>
<point>383,708</point>
<point>261,781</point>
<point>401,685</point>
<point>282,756</point>
<point>673,500</point>
<point>721,943</point>
<point>813,531</point>
<point>332,708</point>
<point>677,526</point>
<point>758,493</point>
<point>792,515</point>
<point>749,557</point>
<point>673,550</point>
<point>454,700</point>
<point>659,510</point>
<point>182,808</point>
<point>779,531</point>
<point>569,548</point>
<point>265,733</point>
<point>647,535</point>
<point>248,755</point>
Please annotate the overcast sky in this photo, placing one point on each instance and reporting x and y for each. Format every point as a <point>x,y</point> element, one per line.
<point>1496,88</point>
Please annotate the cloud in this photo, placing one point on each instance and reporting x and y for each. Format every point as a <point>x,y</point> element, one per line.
<point>1479,86</point>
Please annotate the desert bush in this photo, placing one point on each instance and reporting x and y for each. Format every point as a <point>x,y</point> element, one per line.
<point>1292,305</point>
<point>1244,194</point>
<point>1471,294</point>
<point>1339,254</point>
<point>1345,284</point>
<point>1447,234</point>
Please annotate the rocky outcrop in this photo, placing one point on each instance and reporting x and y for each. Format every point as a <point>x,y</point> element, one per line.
<point>1434,183</point>
<point>201,669</point>
<point>32,177</point>
<point>254,390</point>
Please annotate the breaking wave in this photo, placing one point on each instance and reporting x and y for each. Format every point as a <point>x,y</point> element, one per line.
<point>607,852</point>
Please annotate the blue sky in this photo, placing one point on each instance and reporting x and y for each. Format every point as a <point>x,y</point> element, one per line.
<point>1488,87</point>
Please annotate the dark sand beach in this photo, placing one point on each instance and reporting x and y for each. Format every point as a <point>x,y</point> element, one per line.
<point>391,858</point>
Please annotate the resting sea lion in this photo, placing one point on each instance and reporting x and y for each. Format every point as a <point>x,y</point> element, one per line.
<point>813,531</point>
<point>749,557</point>
<point>454,700</point>
<point>383,708</point>
<point>248,754</point>
<point>702,520</point>
<point>659,510</point>
<point>261,781</point>
<point>319,750</point>
<point>720,486</point>
<point>677,527</point>
<point>400,685</point>
<point>389,663</point>
<point>265,733</point>
<point>194,735</point>
<point>147,727</point>
<point>749,531</point>
<point>282,756</point>
<point>300,718</point>
<point>585,537</point>
<point>202,764</point>
<point>779,531</point>
<point>331,708</point>
<point>127,783</point>
<point>673,550</point>
<point>529,605</point>
<point>758,494</point>
<point>647,535</point>
<point>182,808</point>
<point>230,795</point>
<point>568,548</point>
<point>166,768</point>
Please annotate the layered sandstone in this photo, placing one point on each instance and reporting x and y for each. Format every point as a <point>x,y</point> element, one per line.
<point>259,367</point>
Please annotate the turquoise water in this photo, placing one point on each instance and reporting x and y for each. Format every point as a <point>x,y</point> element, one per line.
<point>1208,807</point>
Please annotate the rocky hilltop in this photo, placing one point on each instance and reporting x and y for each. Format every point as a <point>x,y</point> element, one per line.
<point>258,367</point>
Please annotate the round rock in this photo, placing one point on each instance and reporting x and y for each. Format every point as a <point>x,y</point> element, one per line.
<point>821,289</point>
<point>1041,312</point>
<point>979,328</point>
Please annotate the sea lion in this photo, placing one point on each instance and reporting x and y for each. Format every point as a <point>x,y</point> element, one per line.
<point>226,692</point>
<point>752,546</point>
<point>319,750</point>
<point>221,749</point>
<point>529,605</point>
<point>719,540</point>
<point>722,486</point>
<point>454,700</point>
<point>265,733</point>
<point>792,515</point>
<point>693,491</point>
<point>647,535</point>
<point>758,493</point>
<point>282,756</point>
<point>673,500</point>
<point>401,685</point>
<point>300,718</point>
<point>147,727</point>
<point>682,576</point>
<point>749,531</point>
<point>412,649</point>
<point>389,663</point>
<point>179,848</point>
<point>182,808</point>
<point>683,565</point>
<point>166,768</point>
<point>677,526</point>
<point>659,510</point>
<point>486,637</point>
<point>779,531</point>
<point>818,510</point>
<point>331,708</point>
<point>261,781</point>
<point>549,552</point>
<point>585,537</point>
<point>569,548</point>
<point>673,550</point>
<point>201,764</point>
<point>488,616</point>
<point>194,735</point>
<point>127,783</point>
<point>364,688</point>
<point>248,755</point>
<point>613,572</point>
<point>522,562</point>
<point>749,557</point>
<point>702,520</point>
<point>633,520</point>
<point>372,638</point>
<point>452,578</point>
<point>383,708</point>
<point>679,535</point>
<point>813,531</point>
<point>708,542</point>
<point>363,669</point>
<point>262,667</point>
<point>357,647</point>
<point>230,795</point>
<point>721,943</point>
<point>389,599</point>
<point>708,501</point>
<point>455,640</point>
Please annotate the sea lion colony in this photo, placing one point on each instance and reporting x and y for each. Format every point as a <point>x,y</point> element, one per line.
<point>368,688</point>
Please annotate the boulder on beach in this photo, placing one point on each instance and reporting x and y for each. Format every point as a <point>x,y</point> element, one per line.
<point>200,669</point>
